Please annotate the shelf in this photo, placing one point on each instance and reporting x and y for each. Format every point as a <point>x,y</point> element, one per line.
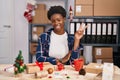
<point>32,41</point>
<point>96,17</point>
<point>32,25</point>
<point>98,44</point>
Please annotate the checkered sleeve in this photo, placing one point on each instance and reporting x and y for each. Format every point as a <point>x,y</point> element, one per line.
<point>41,55</point>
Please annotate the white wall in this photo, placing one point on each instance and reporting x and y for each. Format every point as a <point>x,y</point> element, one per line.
<point>21,29</point>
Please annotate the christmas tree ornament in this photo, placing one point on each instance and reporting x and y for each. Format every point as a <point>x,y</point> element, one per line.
<point>82,72</point>
<point>60,66</point>
<point>19,65</point>
<point>71,13</point>
<point>50,70</point>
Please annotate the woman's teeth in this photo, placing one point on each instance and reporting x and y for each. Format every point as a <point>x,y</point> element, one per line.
<point>58,26</point>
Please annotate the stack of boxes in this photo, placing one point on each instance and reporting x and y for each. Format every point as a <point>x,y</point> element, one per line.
<point>83,7</point>
<point>102,54</point>
<point>40,17</point>
<point>97,8</point>
<point>36,32</point>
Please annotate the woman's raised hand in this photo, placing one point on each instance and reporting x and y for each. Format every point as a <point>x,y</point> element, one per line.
<point>80,32</point>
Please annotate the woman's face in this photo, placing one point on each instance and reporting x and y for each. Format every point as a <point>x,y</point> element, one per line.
<point>58,23</point>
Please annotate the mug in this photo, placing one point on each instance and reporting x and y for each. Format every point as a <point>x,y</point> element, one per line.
<point>78,64</point>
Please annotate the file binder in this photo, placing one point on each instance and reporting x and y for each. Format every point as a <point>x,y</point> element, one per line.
<point>72,28</point>
<point>89,33</point>
<point>114,33</point>
<point>103,37</point>
<point>93,38</point>
<point>98,37</point>
<point>85,33</point>
<point>109,36</point>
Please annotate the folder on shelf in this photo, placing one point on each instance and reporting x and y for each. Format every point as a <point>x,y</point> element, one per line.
<point>77,26</point>
<point>98,36</point>
<point>89,33</point>
<point>103,38</point>
<point>72,28</point>
<point>93,40</point>
<point>109,33</point>
<point>114,33</point>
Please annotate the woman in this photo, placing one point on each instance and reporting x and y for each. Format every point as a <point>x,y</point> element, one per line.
<point>57,45</point>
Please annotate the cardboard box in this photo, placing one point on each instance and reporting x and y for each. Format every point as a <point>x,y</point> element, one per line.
<point>33,47</point>
<point>38,30</point>
<point>83,10</point>
<point>103,60</point>
<point>32,68</point>
<point>40,16</point>
<point>102,52</point>
<point>94,68</point>
<point>88,2</point>
<point>106,7</point>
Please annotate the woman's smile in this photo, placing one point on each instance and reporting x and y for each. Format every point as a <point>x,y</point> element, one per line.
<point>58,23</point>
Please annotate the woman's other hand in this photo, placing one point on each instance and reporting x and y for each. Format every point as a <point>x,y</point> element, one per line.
<point>64,59</point>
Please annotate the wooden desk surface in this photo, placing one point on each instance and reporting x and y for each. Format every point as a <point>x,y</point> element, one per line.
<point>61,75</point>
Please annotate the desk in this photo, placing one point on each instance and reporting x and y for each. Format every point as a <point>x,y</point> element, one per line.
<point>69,70</point>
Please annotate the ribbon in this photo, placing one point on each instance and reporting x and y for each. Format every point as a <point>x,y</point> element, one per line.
<point>40,65</point>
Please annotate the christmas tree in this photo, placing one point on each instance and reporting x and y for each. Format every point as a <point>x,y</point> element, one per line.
<point>19,65</point>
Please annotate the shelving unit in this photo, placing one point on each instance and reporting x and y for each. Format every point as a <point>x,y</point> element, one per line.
<point>87,39</point>
<point>86,19</point>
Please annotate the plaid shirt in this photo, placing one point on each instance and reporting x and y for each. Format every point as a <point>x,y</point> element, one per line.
<point>42,53</point>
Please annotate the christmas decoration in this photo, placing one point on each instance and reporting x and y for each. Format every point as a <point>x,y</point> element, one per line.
<point>82,72</point>
<point>40,64</point>
<point>60,66</point>
<point>71,13</point>
<point>31,5</point>
<point>68,77</point>
<point>33,67</point>
<point>19,65</point>
<point>50,70</point>
<point>41,74</point>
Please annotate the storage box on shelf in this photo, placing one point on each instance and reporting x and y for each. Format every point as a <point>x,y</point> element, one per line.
<point>106,8</point>
<point>40,16</point>
<point>83,7</point>
<point>102,54</point>
<point>97,8</point>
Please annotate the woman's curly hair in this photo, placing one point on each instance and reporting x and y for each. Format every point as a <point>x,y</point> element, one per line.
<point>56,9</point>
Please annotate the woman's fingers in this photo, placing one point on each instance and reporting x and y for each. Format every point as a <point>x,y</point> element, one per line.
<point>83,27</point>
